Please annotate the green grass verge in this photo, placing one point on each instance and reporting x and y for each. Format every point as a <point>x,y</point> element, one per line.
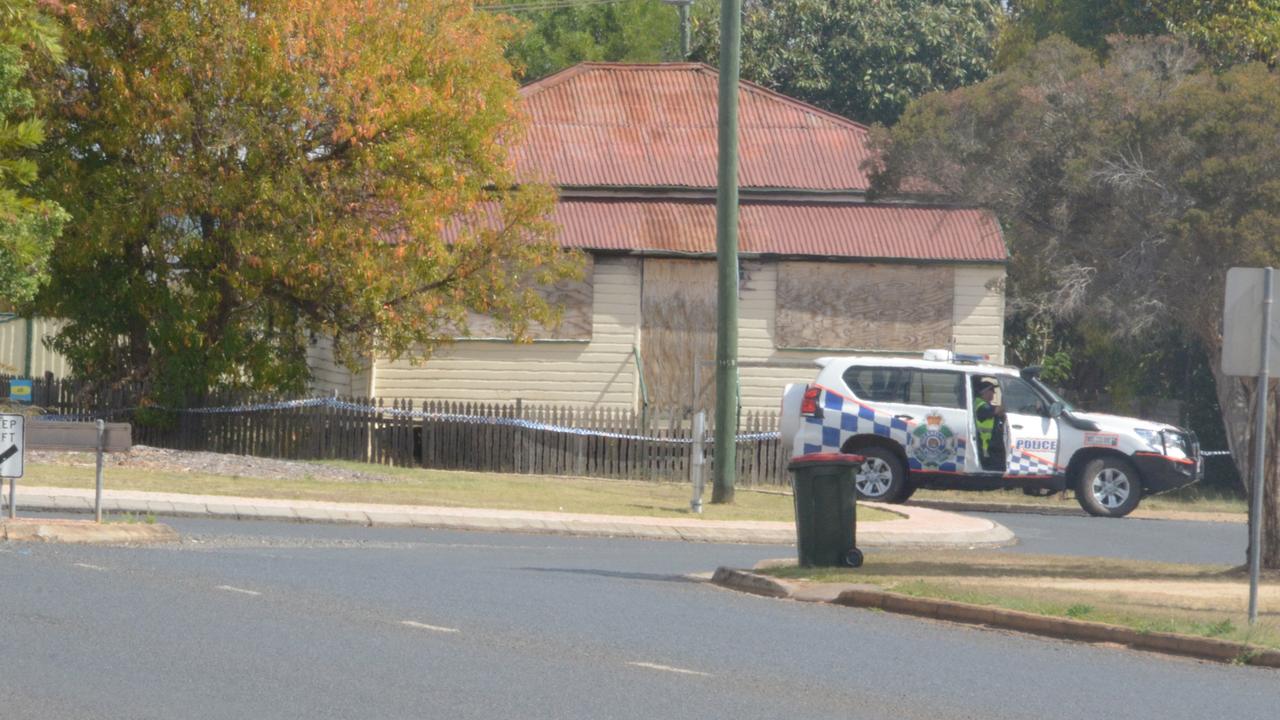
<point>1191,499</point>
<point>1200,600</point>
<point>415,486</point>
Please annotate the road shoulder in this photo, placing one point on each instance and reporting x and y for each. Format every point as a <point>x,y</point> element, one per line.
<point>866,596</point>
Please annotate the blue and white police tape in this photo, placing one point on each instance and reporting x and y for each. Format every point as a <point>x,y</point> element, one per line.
<point>357,408</point>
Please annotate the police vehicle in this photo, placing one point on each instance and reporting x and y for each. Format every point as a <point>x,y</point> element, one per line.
<point>914,421</point>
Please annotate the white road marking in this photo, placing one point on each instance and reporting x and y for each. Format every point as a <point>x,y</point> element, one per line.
<point>668,668</point>
<point>88,566</point>
<point>228,588</point>
<point>424,626</point>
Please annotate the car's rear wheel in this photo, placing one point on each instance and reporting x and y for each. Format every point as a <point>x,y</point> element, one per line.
<point>1109,487</point>
<point>882,477</point>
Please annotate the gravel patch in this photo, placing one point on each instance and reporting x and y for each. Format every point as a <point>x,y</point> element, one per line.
<point>207,463</point>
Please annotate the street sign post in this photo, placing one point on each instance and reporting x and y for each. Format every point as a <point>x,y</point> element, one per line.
<point>12,452</point>
<point>1242,331</point>
<point>1249,336</point>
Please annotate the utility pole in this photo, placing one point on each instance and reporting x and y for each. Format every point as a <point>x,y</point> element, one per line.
<point>683,7</point>
<point>727,255</point>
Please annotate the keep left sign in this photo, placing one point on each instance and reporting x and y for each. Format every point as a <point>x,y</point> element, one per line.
<point>11,450</point>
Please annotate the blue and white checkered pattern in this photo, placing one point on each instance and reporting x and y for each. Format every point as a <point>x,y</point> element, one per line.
<point>843,418</point>
<point>1021,463</point>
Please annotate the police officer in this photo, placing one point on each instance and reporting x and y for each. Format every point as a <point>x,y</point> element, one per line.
<point>985,412</point>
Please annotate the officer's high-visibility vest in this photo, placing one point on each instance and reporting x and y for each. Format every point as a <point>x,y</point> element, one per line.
<point>985,427</point>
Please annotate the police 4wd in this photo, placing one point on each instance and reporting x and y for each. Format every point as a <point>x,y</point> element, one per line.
<point>925,423</point>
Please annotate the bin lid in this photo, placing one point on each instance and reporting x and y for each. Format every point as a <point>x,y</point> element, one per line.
<point>837,459</point>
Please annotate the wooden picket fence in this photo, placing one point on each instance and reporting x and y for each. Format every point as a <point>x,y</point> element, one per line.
<point>487,437</point>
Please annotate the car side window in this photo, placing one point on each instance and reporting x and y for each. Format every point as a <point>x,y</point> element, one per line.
<point>1019,397</point>
<point>937,388</point>
<point>879,384</point>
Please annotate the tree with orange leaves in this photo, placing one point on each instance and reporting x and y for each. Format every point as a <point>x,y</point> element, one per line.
<point>245,176</point>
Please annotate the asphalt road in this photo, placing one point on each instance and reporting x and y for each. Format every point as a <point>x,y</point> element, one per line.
<point>1127,538</point>
<point>261,620</point>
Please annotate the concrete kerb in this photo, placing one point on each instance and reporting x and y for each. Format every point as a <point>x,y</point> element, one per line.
<point>921,527</point>
<point>951,611</point>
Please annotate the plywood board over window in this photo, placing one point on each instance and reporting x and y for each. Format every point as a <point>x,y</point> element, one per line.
<point>573,297</point>
<point>864,306</point>
<point>678,329</point>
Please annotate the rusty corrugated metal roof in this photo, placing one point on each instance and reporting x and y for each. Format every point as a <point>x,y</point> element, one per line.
<point>608,124</point>
<point>855,230</point>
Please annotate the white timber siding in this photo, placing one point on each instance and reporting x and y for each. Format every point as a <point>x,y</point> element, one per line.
<point>14,344</point>
<point>328,376</point>
<point>600,372</point>
<point>761,387</point>
<point>603,373</point>
<point>979,310</point>
<point>978,328</point>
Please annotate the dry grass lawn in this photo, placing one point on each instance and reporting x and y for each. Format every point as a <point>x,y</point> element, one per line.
<point>406,486</point>
<point>1204,600</point>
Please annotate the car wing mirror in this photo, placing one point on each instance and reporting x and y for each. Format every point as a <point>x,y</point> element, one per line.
<point>1056,409</point>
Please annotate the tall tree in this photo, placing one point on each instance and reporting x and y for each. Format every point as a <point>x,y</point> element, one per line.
<point>245,175</point>
<point>1126,190</point>
<point>28,224</point>
<point>1227,32</point>
<point>1086,23</point>
<point>626,31</point>
<point>864,59</point>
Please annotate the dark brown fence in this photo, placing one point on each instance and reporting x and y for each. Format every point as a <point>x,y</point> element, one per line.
<point>488,437</point>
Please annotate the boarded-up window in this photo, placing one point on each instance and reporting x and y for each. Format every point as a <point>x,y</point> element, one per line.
<point>573,297</point>
<point>678,326</point>
<point>864,307</point>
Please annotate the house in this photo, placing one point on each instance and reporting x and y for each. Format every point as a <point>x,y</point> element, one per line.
<point>22,352</point>
<point>632,150</point>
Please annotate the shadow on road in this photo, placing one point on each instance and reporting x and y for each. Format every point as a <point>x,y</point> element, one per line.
<point>654,577</point>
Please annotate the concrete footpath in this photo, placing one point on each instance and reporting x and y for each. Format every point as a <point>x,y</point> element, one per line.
<point>919,527</point>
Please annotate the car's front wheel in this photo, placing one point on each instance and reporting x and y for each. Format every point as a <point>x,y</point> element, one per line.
<point>882,477</point>
<point>1109,487</point>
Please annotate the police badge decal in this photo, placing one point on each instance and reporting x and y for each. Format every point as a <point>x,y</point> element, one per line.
<point>933,443</point>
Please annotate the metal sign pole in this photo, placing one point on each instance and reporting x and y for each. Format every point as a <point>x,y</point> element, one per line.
<point>97,495</point>
<point>1259,453</point>
<point>697,465</point>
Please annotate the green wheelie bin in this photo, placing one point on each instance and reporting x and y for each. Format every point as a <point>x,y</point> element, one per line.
<point>823,487</point>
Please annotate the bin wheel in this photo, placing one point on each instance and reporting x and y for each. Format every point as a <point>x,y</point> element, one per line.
<point>854,558</point>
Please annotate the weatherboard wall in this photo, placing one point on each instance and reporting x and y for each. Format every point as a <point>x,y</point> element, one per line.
<point>599,372</point>
<point>14,345</point>
<point>978,327</point>
<point>602,372</point>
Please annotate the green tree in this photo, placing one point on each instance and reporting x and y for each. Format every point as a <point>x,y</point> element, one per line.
<point>627,31</point>
<point>1229,31</point>
<point>1226,31</point>
<point>1126,188</point>
<point>864,59</point>
<point>243,176</point>
<point>28,224</point>
<point>1087,23</point>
